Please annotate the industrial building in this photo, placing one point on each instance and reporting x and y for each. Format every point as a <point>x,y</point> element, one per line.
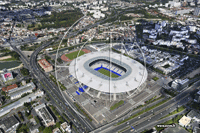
<point>43,113</point>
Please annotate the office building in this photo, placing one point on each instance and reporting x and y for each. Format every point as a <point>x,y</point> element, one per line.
<point>45,65</point>
<point>44,114</point>
<point>18,92</point>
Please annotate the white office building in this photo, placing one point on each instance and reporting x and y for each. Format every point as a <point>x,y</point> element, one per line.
<point>19,91</point>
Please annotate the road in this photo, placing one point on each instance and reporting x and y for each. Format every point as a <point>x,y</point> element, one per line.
<point>83,125</point>
<point>173,103</point>
<point>57,99</point>
<point>162,110</point>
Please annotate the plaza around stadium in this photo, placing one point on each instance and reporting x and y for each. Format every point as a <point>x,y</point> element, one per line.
<point>104,83</point>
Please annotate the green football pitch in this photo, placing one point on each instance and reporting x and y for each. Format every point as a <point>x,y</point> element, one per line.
<point>73,55</point>
<point>107,73</point>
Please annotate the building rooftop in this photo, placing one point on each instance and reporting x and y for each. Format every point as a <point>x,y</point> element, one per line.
<point>8,122</point>
<point>134,77</point>
<point>56,130</point>
<point>185,120</point>
<point>44,63</point>
<point>10,87</point>
<point>20,102</point>
<point>44,114</point>
<point>193,114</point>
<point>22,89</point>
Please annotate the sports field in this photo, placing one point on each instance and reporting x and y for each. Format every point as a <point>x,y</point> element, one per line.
<point>107,73</point>
<point>73,55</point>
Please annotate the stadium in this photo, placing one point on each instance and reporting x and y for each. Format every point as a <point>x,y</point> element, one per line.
<point>108,75</point>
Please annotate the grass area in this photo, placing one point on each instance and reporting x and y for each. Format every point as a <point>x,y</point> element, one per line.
<point>9,59</point>
<point>178,110</point>
<point>116,105</point>
<point>171,93</point>
<point>73,55</point>
<point>174,120</point>
<point>143,111</point>
<point>166,66</point>
<point>150,100</point>
<point>157,70</point>
<point>155,78</point>
<point>107,73</point>
<point>83,111</point>
<point>147,102</point>
<point>124,129</point>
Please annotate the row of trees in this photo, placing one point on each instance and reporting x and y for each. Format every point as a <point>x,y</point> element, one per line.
<point>57,20</point>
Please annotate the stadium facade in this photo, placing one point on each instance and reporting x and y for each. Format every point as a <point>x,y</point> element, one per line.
<point>108,75</point>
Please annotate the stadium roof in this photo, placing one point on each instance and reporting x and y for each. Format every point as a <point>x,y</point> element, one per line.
<point>135,75</point>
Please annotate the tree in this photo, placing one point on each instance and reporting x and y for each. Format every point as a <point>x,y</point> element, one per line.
<point>26,114</point>
<point>24,71</point>
<point>3,93</point>
<point>47,57</point>
<point>59,60</point>
<point>41,128</point>
<point>48,130</point>
<point>58,124</point>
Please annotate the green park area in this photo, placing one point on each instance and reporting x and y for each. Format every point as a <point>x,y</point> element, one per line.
<point>172,121</point>
<point>73,55</point>
<point>107,73</point>
<point>116,105</point>
<point>166,66</point>
<point>178,110</point>
<point>155,78</point>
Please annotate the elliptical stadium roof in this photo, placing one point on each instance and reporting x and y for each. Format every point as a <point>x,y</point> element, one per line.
<point>135,76</point>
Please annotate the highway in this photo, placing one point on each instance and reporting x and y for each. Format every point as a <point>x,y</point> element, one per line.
<point>84,125</point>
<point>54,90</point>
<point>149,117</point>
<point>142,120</point>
